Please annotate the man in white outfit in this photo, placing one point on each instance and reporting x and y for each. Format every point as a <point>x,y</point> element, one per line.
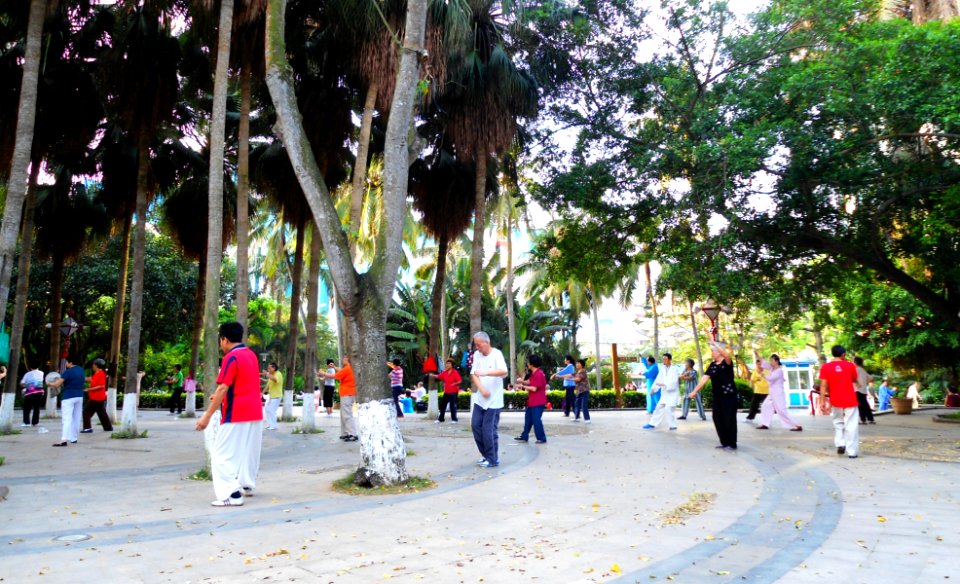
<point>668,381</point>
<point>486,379</point>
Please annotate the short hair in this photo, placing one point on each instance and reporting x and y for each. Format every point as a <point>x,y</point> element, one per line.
<point>582,362</point>
<point>274,365</point>
<point>232,331</point>
<point>668,356</point>
<point>568,358</point>
<point>100,363</point>
<point>858,361</point>
<point>331,362</point>
<point>71,358</point>
<point>482,336</point>
<point>451,362</point>
<point>650,359</point>
<point>952,388</point>
<point>534,360</point>
<point>690,363</point>
<point>178,367</point>
<point>776,358</point>
<point>838,351</point>
<point>396,362</point>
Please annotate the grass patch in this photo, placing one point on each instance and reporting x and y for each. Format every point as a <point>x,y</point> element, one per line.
<point>953,416</point>
<point>12,432</point>
<point>127,435</point>
<point>201,475</point>
<point>288,419</point>
<point>1,460</point>
<point>187,415</point>
<point>696,504</point>
<point>302,430</point>
<point>413,485</point>
<point>411,452</point>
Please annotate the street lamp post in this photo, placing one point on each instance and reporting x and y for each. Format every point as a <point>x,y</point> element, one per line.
<point>712,309</point>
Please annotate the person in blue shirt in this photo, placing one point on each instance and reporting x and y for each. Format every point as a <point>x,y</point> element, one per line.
<point>651,375</point>
<point>71,383</point>
<point>886,392</point>
<point>568,384</point>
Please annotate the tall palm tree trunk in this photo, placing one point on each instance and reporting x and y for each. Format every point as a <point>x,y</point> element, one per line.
<point>56,309</point>
<point>358,187</point>
<point>476,255</point>
<point>444,339</point>
<point>653,309</point>
<point>128,420</point>
<point>196,333</point>
<point>296,285</point>
<point>211,303</point>
<point>511,316</point>
<point>310,360</point>
<point>23,143</point>
<point>116,335</point>
<point>243,214</point>
<point>436,297</point>
<point>696,338</point>
<point>596,337</point>
<point>20,303</point>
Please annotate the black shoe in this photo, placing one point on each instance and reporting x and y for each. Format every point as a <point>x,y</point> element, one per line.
<point>351,439</point>
<point>521,439</point>
<point>87,431</point>
<point>841,449</point>
<point>540,441</point>
<point>682,418</point>
<point>345,436</point>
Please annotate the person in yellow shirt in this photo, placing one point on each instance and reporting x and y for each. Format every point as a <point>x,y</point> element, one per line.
<point>274,381</point>
<point>760,390</point>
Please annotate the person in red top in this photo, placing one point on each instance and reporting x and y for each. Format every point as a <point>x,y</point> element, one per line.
<point>536,387</point>
<point>451,387</point>
<point>837,379</point>
<point>953,398</point>
<point>236,440</point>
<point>97,399</point>
<point>348,394</point>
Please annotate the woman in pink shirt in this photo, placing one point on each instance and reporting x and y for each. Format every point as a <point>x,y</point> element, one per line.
<point>776,400</point>
<point>536,387</point>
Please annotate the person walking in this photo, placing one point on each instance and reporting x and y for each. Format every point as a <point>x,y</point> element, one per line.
<point>329,384</point>
<point>760,388</point>
<point>566,374</point>
<point>837,381</point>
<point>235,447</point>
<point>913,392</point>
<point>175,381</point>
<point>689,378</point>
<point>886,392</point>
<point>581,388</point>
<point>536,387</point>
<point>274,379</point>
<point>667,384</point>
<point>776,401</point>
<point>864,380</point>
<point>71,384</point>
<point>33,398</point>
<point>348,394</point>
<point>97,399</point>
<point>486,380</point>
<point>650,374</point>
<point>451,379</point>
<point>396,384</point>
<point>725,398</point>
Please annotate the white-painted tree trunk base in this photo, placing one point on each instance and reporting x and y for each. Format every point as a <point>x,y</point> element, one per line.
<point>433,404</point>
<point>191,409</point>
<point>309,419</point>
<point>6,412</point>
<point>383,455</point>
<point>128,420</point>
<point>112,404</point>
<point>51,411</point>
<point>287,405</point>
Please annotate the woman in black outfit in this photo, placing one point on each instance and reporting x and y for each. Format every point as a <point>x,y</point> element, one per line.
<point>725,399</point>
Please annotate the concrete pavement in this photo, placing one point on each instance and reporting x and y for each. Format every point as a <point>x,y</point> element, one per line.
<point>606,502</point>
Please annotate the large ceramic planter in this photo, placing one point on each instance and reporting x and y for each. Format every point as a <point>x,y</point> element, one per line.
<point>902,405</point>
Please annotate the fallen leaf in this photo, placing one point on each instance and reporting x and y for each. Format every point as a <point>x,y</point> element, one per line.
<point>881,519</point>
<point>615,569</point>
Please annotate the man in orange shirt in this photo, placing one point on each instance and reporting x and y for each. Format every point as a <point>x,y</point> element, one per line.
<point>348,393</point>
<point>97,399</point>
<point>837,379</point>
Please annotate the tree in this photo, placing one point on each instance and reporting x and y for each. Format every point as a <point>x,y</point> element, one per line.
<point>364,298</point>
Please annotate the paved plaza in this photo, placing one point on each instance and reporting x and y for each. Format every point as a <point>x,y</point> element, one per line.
<point>606,502</point>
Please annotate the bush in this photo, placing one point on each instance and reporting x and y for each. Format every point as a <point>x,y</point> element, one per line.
<point>744,391</point>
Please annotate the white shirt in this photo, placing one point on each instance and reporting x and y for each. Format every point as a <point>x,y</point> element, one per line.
<point>33,377</point>
<point>329,381</point>
<point>482,364</point>
<point>668,379</point>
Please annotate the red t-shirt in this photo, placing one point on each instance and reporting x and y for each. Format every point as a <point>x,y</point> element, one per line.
<point>348,386</point>
<point>539,397</point>
<point>953,400</point>
<point>98,378</point>
<point>451,380</point>
<point>840,377</point>
<point>241,372</point>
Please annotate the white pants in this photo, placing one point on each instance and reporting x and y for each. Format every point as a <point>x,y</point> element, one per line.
<point>235,457</point>
<point>348,425</point>
<point>776,402</point>
<point>668,401</point>
<point>71,410</point>
<point>273,404</point>
<point>846,425</point>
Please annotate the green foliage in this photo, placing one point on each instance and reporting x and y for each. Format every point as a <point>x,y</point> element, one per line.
<point>202,474</point>
<point>413,484</point>
<point>126,435</point>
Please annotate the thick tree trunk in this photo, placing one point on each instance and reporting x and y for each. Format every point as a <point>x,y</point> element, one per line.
<point>116,335</point>
<point>476,256</point>
<point>20,303</point>
<point>436,297</point>
<point>243,215</point>
<point>444,339</point>
<point>696,338</point>
<point>511,316</point>
<point>358,188</point>
<point>23,143</point>
<point>310,360</point>
<point>56,310</point>
<point>596,340</point>
<point>653,309</point>
<point>211,303</point>
<point>196,334</point>
<point>128,419</point>
<point>296,285</point>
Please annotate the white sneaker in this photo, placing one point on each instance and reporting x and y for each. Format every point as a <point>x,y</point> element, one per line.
<point>482,461</point>
<point>42,430</point>
<point>228,502</point>
<point>436,421</point>
<point>575,420</point>
<point>454,421</point>
<point>24,425</point>
<point>587,422</point>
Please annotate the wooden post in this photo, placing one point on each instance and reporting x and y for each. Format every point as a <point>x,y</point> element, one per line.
<point>616,375</point>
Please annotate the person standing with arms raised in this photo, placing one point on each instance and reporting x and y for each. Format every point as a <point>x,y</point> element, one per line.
<point>486,379</point>
<point>725,399</point>
<point>235,450</point>
<point>568,385</point>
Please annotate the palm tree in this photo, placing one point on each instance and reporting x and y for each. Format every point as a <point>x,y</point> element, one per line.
<point>310,361</point>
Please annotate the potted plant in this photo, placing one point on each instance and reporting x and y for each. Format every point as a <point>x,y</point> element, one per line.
<point>901,404</point>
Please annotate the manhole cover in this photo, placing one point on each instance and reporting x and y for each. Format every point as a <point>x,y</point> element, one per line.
<point>73,538</point>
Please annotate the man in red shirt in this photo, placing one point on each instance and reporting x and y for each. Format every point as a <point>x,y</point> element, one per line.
<point>97,399</point>
<point>451,387</point>
<point>235,449</point>
<point>837,379</point>
<point>348,394</point>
